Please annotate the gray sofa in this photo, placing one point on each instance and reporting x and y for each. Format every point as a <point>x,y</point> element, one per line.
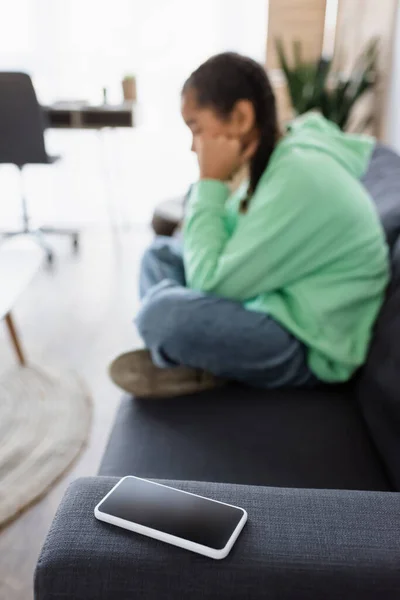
<point>318,472</point>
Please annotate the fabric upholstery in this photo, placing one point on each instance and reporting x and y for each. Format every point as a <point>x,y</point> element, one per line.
<point>378,388</point>
<point>302,544</point>
<point>297,545</point>
<point>382,180</point>
<point>241,435</point>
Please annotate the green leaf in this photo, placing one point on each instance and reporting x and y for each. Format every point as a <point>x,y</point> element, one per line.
<point>297,54</point>
<point>314,86</point>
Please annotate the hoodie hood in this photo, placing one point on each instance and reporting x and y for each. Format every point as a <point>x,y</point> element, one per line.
<point>312,130</point>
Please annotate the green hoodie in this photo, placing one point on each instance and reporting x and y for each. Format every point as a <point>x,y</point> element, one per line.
<point>310,251</point>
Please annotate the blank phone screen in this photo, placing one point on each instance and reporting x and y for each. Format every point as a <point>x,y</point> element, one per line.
<point>168,510</point>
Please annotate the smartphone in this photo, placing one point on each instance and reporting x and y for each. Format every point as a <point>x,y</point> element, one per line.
<point>179,518</point>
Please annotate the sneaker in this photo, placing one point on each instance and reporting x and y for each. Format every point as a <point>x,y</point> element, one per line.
<point>135,373</point>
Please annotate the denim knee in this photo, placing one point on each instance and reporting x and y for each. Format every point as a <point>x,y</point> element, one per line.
<point>157,318</point>
<point>157,250</point>
<point>162,260</point>
<point>162,248</point>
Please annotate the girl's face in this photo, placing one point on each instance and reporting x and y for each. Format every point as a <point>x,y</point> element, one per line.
<point>203,121</point>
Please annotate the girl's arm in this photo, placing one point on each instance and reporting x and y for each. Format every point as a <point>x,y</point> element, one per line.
<point>281,238</point>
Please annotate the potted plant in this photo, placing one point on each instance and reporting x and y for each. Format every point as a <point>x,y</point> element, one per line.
<point>129,88</point>
<point>319,86</point>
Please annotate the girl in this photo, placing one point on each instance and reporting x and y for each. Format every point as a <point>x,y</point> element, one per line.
<point>276,284</point>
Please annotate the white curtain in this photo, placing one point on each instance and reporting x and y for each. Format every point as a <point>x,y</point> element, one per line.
<point>393,121</point>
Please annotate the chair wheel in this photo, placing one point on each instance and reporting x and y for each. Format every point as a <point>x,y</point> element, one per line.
<point>75,242</point>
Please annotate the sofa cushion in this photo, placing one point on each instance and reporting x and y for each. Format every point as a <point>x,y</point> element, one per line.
<point>314,439</point>
<point>283,438</point>
<point>382,180</point>
<point>378,387</point>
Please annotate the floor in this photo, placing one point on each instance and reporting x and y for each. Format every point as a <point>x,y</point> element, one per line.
<point>79,314</point>
<point>76,316</point>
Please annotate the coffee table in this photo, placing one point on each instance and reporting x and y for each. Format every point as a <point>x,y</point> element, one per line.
<point>20,259</point>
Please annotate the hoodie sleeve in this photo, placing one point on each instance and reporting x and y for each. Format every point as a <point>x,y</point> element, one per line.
<point>269,248</point>
<point>308,196</point>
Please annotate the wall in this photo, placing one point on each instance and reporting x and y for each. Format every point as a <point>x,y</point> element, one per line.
<point>289,20</point>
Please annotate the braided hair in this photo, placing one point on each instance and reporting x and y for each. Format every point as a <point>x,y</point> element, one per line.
<point>225,79</point>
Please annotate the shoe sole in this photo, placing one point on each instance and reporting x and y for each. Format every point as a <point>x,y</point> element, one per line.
<point>135,373</point>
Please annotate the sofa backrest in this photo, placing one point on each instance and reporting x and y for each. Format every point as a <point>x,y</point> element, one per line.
<point>382,180</point>
<point>378,384</point>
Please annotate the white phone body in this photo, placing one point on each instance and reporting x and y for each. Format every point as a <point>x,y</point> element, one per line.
<point>217,553</point>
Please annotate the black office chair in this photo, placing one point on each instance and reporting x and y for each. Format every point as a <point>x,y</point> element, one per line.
<point>22,143</point>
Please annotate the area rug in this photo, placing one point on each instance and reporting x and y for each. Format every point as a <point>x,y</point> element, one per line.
<point>45,420</point>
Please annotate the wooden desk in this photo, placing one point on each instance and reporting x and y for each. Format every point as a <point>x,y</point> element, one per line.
<point>79,115</point>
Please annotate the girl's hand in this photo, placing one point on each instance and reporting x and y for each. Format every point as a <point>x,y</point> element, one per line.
<point>221,157</point>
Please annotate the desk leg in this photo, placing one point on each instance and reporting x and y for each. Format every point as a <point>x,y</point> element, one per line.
<point>15,340</point>
<point>111,200</point>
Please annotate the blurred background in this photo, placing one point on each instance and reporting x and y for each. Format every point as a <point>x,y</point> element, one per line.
<point>73,50</point>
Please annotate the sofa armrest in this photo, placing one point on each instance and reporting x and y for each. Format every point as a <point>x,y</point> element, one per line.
<point>297,544</point>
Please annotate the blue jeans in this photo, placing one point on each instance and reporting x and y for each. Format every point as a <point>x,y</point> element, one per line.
<point>184,327</point>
